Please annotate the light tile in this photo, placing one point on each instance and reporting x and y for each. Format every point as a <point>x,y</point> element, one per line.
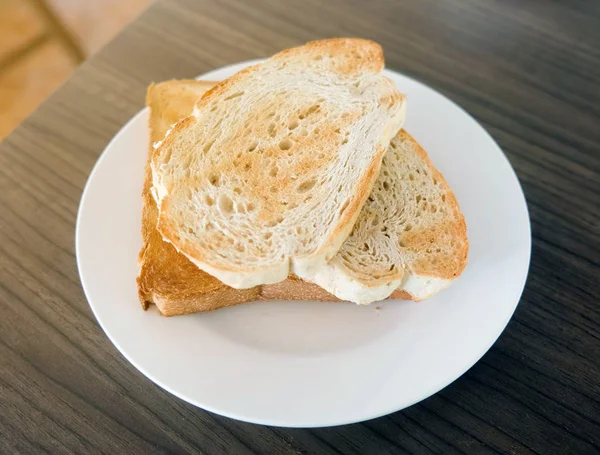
<point>26,83</point>
<point>95,22</point>
<point>20,24</point>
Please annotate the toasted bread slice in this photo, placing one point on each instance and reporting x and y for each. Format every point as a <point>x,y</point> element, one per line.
<point>269,174</point>
<point>410,235</point>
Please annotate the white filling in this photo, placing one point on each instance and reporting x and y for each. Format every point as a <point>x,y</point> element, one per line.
<point>423,287</point>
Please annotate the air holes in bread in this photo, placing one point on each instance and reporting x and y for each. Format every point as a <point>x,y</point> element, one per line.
<point>344,207</point>
<point>274,171</point>
<point>286,144</point>
<point>307,185</point>
<point>293,124</point>
<point>214,180</point>
<point>225,204</point>
<point>209,200</point>
<point>386,186</point>
<point>310,110</point>
<point>235,95</point>
<point>208,146</point>
<point>253,146</point>
<point>275,222</point>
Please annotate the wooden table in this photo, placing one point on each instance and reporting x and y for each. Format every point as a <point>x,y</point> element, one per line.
<point>528,70</point>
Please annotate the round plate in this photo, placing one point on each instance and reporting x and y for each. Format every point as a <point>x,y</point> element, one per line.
<point>305,364</point>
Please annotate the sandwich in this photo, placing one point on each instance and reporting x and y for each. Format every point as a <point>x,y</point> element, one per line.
<point>424,208</point>
<point>269,174</point>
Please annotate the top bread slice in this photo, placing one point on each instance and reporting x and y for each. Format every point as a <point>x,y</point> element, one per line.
<point>410,235</point>
<point>269,174</point>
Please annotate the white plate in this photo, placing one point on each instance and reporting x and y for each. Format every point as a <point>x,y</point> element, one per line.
<point>305,364</point>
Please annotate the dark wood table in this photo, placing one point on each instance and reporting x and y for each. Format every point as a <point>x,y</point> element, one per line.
<point>528,70</point>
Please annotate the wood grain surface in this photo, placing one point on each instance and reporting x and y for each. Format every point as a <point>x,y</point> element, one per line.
<point>528,70</point>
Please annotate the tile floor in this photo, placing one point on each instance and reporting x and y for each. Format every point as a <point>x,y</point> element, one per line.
<point>42,41</point>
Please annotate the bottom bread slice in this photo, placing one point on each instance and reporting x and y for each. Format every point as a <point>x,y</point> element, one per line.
<point>168,279</point>
<point>410,235</point>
